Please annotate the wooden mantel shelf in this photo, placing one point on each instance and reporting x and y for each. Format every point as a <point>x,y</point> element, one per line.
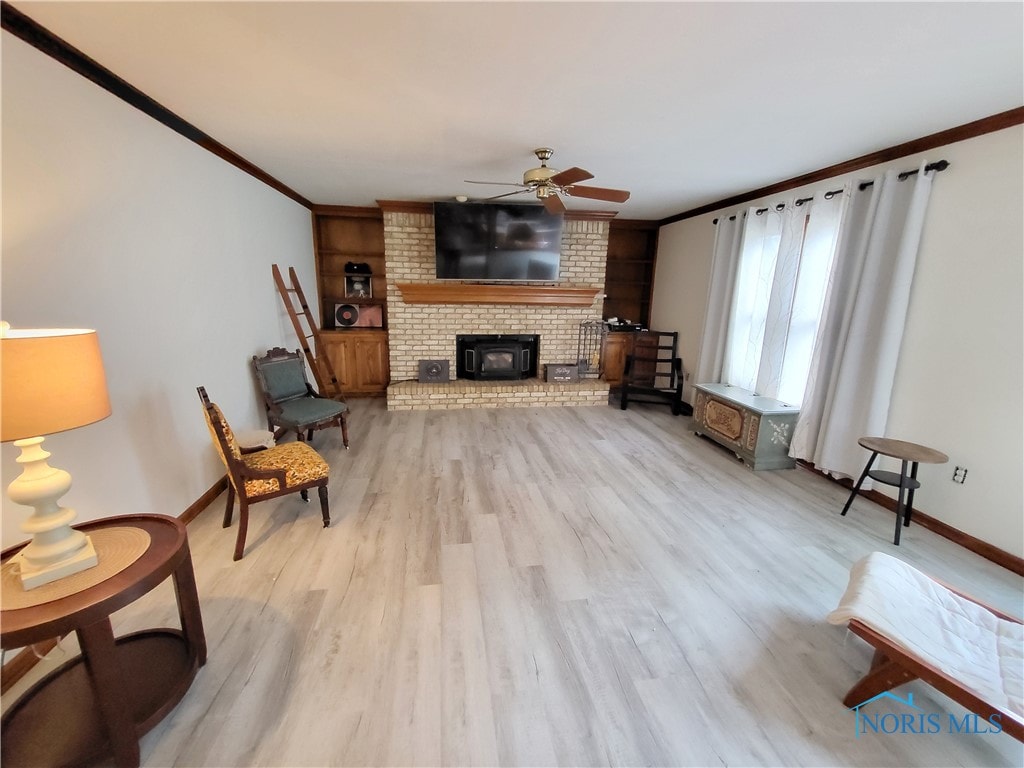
<point>485,293</point>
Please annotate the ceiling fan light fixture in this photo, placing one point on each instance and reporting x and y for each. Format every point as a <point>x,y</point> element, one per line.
<point>549,184</point>
<point>538,175</point>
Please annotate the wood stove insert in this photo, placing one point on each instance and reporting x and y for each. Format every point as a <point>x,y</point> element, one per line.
<point>496,356</point>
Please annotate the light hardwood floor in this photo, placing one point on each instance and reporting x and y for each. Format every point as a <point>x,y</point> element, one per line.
<point>551,586</point>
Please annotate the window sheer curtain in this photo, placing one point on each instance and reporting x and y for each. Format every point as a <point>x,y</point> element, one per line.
<point>755,274</point>
<point>769,274</point>
<point>853,367</point>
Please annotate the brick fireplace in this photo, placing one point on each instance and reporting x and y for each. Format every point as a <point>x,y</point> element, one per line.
<point>426,329</point>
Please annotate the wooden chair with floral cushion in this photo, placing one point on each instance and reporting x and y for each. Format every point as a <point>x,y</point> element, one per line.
<point>259,474</point>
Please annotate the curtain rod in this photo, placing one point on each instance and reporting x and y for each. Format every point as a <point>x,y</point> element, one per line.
<point>939,165</point>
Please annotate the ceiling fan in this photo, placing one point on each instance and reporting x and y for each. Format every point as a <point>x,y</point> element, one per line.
<point>548,183</point>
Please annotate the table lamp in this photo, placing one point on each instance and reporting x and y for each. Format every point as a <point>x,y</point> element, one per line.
<point>51,380</point>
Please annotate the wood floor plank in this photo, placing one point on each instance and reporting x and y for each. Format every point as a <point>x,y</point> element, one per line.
<point>416,715</point>
<point>522,730</point>
<point>467,730</point>
<point>625,734</point>
<point>568,706</point>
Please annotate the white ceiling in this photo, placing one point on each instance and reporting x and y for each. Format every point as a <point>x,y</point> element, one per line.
<point>682,103</point>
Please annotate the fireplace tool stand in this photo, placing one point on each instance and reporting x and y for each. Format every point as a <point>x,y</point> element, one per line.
<point>589,353</point>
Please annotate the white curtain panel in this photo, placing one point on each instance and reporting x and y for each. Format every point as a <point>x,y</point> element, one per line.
<point>855,356</point>
<point>778,309</point>
<point>725,258</point>
<point>762,235</point>
<point>784,261</point>
<point>794,314</point>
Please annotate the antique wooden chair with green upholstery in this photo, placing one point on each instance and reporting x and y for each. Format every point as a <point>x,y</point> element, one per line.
<point>292,403</point>
<point>259,474</point>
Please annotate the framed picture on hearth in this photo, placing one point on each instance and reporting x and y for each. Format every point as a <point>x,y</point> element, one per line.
<point>358,287</point>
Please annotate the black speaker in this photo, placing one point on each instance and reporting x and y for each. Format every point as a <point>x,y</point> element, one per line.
<point>434,371</point>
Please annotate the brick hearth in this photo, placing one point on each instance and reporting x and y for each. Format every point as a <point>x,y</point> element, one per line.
<point>462,393</point>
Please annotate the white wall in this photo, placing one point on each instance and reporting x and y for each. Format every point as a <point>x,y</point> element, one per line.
<point>959,384</point>
<point>112,221</point>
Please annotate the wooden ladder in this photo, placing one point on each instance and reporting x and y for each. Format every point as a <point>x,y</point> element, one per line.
<point>323,372</point>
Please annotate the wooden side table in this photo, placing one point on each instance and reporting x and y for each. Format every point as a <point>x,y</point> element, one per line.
<point>909,453</point>
<point>100,703</point>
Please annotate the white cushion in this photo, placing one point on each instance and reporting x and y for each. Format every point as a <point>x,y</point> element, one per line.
<point>982,652</point>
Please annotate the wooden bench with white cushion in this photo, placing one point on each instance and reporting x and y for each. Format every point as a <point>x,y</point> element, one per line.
<point>923,629</point>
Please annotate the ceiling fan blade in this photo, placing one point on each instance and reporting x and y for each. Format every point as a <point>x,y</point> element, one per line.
<point>570,176</point>
<point>497,183</point>
<point>553,204</point>
<point>507,194</point>
<point>599,193</point>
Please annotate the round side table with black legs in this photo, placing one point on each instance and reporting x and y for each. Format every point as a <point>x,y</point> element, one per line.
<point>911,454</point>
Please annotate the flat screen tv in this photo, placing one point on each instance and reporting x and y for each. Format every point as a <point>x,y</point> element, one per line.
<point>491,242</point>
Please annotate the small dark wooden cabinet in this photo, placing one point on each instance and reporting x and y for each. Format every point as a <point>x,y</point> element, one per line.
<point>615,348</point>
<point>99,704</point>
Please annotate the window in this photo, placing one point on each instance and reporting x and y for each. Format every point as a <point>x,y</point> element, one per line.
<point>782,277</point>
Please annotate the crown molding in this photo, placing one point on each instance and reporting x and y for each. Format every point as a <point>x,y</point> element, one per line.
<point>21,26</point>
<point>970,130</point>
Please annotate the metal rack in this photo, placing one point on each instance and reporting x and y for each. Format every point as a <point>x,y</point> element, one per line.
<point>589,350</point>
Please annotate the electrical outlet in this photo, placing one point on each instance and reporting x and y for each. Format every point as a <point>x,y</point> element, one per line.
<point>959,475</point>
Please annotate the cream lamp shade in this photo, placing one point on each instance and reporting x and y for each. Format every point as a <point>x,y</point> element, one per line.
<point>50,381</point>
